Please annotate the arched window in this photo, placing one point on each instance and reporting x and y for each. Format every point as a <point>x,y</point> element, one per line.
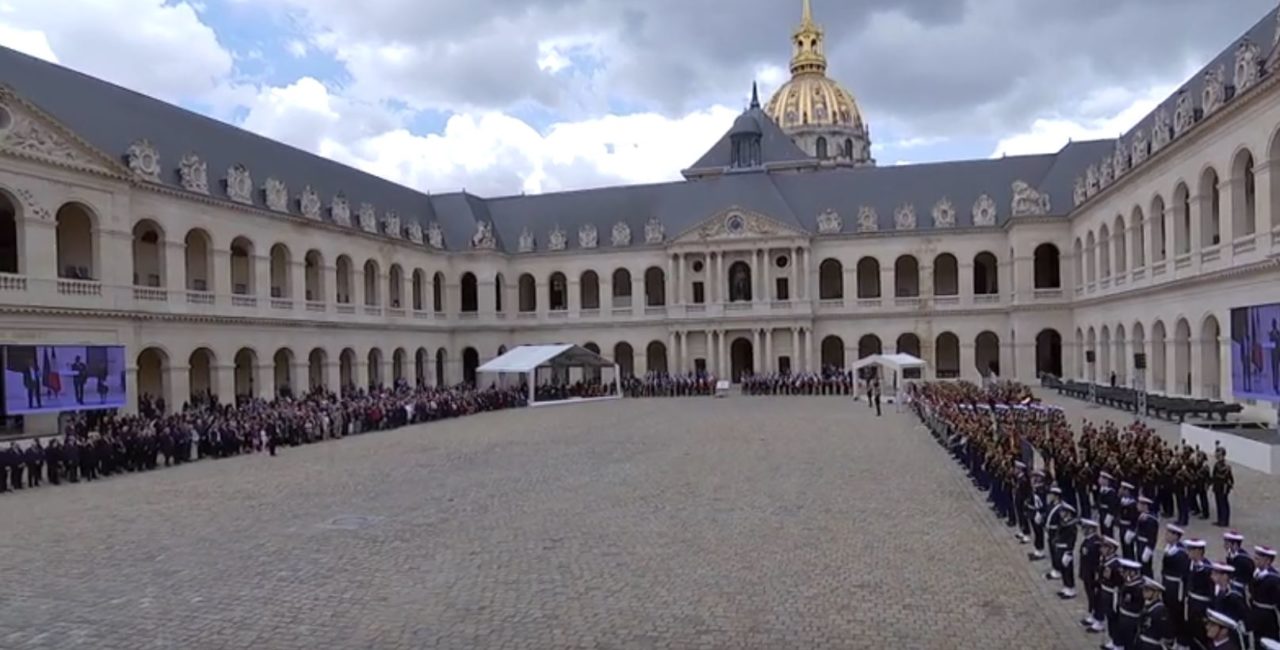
<point>1120,249</point>
<point>1090,258</point>
<point>1047,267</point>
<point>9,240</point>
<point>624,356</point>
<point>739,279</point>
<point>655,287</point>
<point>470,297</point>
<point>986,279</point>
<point>528,293</point>
<point>280,275</point>
<point>868,278</point>
<point>987,354</point>
<point>498,288</point>
<point>906,277</point>
<point>313,276</point>
<point>1159,230</point>
<point>372,294</point>
<point>1079,262</point>
<point>200,374</point>
<point>148,254</point>
<point>1210,208</point>
<point>437,292</point>
<point>848,148</point>
<point>418,289</point>
<point>1244,195</point>
<point>1182,219</point>
<point>946,275</point>
<point>76,248</point>
<point>621,288</point>
<point>822,148</point>
<point>830,280</point>
<point>589,290</point>
<point>558,292</point>
<point>1138,242</point>
<point>395,286</point>
<point>344,271</point>
<point>242,267</point>
<point>1104,252</point>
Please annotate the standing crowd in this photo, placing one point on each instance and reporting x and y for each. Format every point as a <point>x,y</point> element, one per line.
<point>95,444</point>
<point>1093,507</point>
<point>661,384</point>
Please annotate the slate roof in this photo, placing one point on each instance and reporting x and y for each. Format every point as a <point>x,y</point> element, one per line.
<point>112,118</point>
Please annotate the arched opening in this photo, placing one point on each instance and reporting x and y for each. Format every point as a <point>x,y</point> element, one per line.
<point>528,293</point>
<point>282,366</point>
<point>1159,231</point>
<point>75,243</point>
<point>909,343</point>
<point>869,345</point>
<point>1079,262</point>
<point>242,280</point>
<point>470,361</point>
<point>1104,354</point>
<point>1049,353</point>
<point>987,354</point>
<point>441,358</point>
<point>655,357</point>
<point>1273,156</point>
<point>200,373</point>
<point>498,288</point>
<point>1182,356</point>
<point>557,292</point>
<point>280,271</point>
<point>946,275</point>
<point>741,359</point>
<point>868,272</point>
<point>10,241</point>
<point>822,148</point>
<point>470,293</point>
<point>1091,351</point>
<point>1048,269</point>
<point>906,277</point>
<point>624,356</point>
<point>347,369</point>
<point>621,287</point>
<point>343,271</point>
<point>589,290</point>
<point>1182,219</point>
<point>1244,195</point>
<point>1120,254</point>
<point>655,287</point>
<point>848,148</point>
<point>153,375</point>
<point>1211,358</point>
<point>372,295</point>
<point>986,281</point>
<point>1104,252</point>
<point>374,367</point>
<point>399,358</point>
<point>1159,357</point>
<point>246,366</point>
<point>589,374</point>
<point>317,377</point>
<point>148,254</point>
<point>833,353</point>
<point>421,359</point>
<point>739,282</point>
<point>830,280</point>
<point>947,352</point>
<point>1090,258</point>
<point>395,286</point>
<point>418,289</point>
<point>1140,347</point>
<point>1210,208</point>
<point>1139,240</point>
<point>437,292</point>
<point>313,276</point>
<point>1120,363</point>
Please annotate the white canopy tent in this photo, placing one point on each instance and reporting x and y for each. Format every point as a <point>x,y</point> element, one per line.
<point>526,360</point>
<point>895,363</point>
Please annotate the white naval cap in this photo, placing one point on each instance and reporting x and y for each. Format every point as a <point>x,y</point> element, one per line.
<point>1218,618</point>
<point>1126,563</point>
<point>1194,543</point>
<point>1150,583</point>
<point>1270,644</point>
<point>1264,551</point>
<point>1091,523</point>
<point>1173,528</point>
<point>1222,568</point>
<point>1111,541</point>
<point>1233,536</point>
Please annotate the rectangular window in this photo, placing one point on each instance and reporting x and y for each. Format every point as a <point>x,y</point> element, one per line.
<point>782,289</point>
<point>699,293</point>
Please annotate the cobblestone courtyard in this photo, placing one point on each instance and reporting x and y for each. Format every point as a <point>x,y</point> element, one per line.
<point>740,523</point>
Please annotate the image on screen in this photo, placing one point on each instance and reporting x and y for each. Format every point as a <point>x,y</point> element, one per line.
<point>54,378</point>
<point>1255,352</point>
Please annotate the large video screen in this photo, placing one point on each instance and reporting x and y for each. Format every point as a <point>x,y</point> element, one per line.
<point>1255,352</point>
<point>54,378</point>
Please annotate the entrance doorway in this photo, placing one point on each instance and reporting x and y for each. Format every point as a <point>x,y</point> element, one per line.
<point>740,356</point>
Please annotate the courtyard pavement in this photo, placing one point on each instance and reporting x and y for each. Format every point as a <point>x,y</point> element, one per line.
<point>747,522</point>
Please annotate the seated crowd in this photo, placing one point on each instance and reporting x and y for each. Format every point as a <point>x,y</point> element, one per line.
<point>551,392</point>
<point>1092,508</point>
<point>97,444</point>
<point>661,384</point>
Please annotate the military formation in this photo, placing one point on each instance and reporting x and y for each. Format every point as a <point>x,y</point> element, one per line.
<point>98,445</point>
<point>1093,506</point>
<point>661,384</point>
<point>831,381</point>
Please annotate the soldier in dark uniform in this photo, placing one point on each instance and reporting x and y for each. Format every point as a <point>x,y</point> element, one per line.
<point>1109,582</point>
<point>1128,520</point>
<point>1175,565</point>
<point>1147,533</point>
<point>17,460</point>
<point>1154,629</point>
<point>1223,482</point>
<point>1108,503</point>
<point>1061,528</point>
<point>1264,594</point>
<point>1240,560</point>
<point>5,461</point>
<point>1132,603</point>
<point>1200,484</point>
<point>53,461</point>
<point>1035,512</point>
<point>1219,630</point>
<point>1228,600</point>
<point>71,460</point>
<point>1090,565</point>
<point>35,463</point>
<point>1199,592</point>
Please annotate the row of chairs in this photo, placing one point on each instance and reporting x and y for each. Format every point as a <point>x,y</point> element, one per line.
<point>1162,406</point>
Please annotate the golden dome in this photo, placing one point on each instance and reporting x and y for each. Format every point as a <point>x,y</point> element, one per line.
<point>810,98</point>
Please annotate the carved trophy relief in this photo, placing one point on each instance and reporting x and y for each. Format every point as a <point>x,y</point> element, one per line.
<point>527,243</point>
<point>621,234</point>
<point>340,210</point>
<point>391,224</point>
<point>1091,181</point>
<point>1106,173</point>
<point>1184,115</point>
<point>31,137</point>
<point>944,214</point>
<point>1078,192</point>
<point>1028,201</point>
<point>868,220</point>
<point>1215,89</point>
<point>904,217</point>
<point>984,211</point>
<point>483,238</point>
<point>1162,130</point>
<point>1248,68</point>
<point>557,240</point>
<point>144,160</point>
<point>239,184</point>
<point>309,204</point>
<point>829,222</point>
<point>1141,148</point>
<point>193,174</point>
<point>1120,159</point>
<point>588,236</point>
<point>654,231</point>
<point>275,195</point>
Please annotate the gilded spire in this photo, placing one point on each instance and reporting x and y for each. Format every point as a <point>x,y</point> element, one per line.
<point>806,44</point>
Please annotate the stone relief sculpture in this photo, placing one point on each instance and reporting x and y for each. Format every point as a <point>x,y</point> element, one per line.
<point>621,234</point>
<point>1106,173</point>
<point>984,211</point>
<point>1184,116</point>
<point>483,239</point>
<point>391,224</point>
<point>144,160</point>
<point>1028,201</point>
<point>309,203</point>
<point>239,184</point>
<point>654,232</point>
<point>1120,159</point>
<point>414,232</point>
<point>1091,181</point>
<point>340,210</point>
<point>1215,89</point>
<point>1247,65</point>
<point>1140,147</point>
<point>193,174</point>
<point>526,241</point>
<point>30,136</point>
<point>435,236</point>
<point>868,220</point>
<point>1161,131</point>
<point>1078,192</point>
<point>556,241</point>
<point>829,222</point>
<point>904,218</point>
<point>588,237</point>
<point>944,214</point>
<point>368,218</point>
<point>275,195</point>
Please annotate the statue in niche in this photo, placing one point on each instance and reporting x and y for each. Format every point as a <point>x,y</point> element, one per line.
<point>740,287</point>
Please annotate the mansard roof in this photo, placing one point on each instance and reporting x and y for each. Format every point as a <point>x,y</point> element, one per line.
<point>776,148</point>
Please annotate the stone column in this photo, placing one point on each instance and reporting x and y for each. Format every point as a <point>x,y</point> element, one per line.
<point>220,280</point>
<point>755,351</point>
<point>721,286</point>
<point>38,258</point>
<point>638,298</point>
<point>968,360</point>
<point>573,287</point>
<point>812,362</point>
<point>794,275</point>
<point>1267,198</point>
<point>671,280</point>
<point>130,388</point>
<point>297,284</point>
<point>260,275</point>
<point>795,351</point>
<point>761,289</point>
<point>1227,224</point>
<point>723,354</point>
<point>807,278</point>
<point>768,350</point>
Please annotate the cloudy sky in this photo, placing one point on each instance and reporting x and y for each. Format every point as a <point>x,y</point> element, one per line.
<point>504,96</point>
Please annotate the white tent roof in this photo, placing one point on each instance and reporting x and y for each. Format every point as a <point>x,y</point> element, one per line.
<point>526,358</point>
<point>898,361</point>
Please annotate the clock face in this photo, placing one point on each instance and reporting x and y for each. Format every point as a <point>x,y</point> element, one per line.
<point>735,224</point>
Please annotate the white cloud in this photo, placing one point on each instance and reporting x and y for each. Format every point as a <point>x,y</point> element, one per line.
<point>28,41</point>
<point>1116,111</point>
<point>296,48</point>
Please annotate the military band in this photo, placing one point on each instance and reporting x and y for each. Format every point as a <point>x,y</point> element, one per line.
<point>661,384</point>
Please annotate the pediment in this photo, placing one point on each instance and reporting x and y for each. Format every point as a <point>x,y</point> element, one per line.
<point>736,224</point>
<point>32,134</point>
